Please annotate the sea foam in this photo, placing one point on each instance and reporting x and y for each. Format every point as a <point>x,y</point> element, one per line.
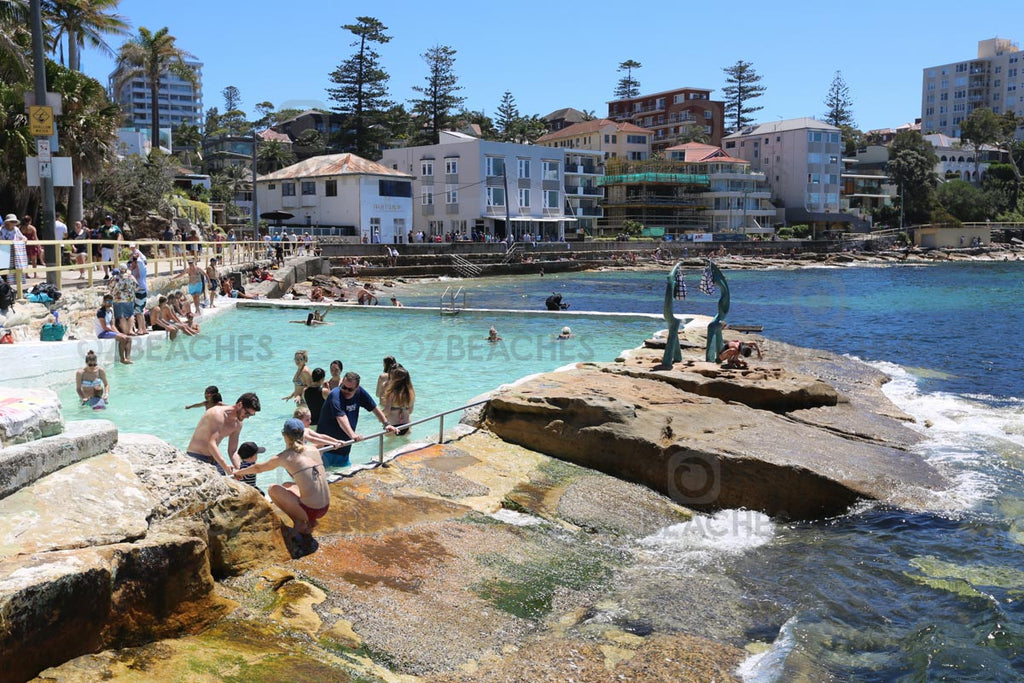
<point>706,538</point>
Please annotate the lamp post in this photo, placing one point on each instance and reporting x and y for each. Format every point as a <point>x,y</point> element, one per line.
<point>46,228</point>
<point>255,202</point>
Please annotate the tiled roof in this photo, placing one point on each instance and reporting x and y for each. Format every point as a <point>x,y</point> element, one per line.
<point>270,134</point>
<point>332,165</point>
<point>593,126</point>
<point>696,151</point>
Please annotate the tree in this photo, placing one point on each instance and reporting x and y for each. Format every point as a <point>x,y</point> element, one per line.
<point>980,128</point>
<point>853,139</point>
<point>742,85</point>
<point>440,96</point>
<point>15,40</point>
<point>150,55</point>
<point>362,88</point>
<point>273,155</point>
<point>527,129</point>
<point>188,138</point>
<point>911,166</point>
<point>265,111</point>
<point>508,116</point>
<point>840,106</point>
<point>963,200</point>
<point>136,185</point>
<point>627,86</point>
<point>468,117</point>
<point>692,133</point>
<point>83,22</point>
<point>232,97</point>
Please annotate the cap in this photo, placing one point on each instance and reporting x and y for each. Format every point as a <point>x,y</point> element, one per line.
<point>566,330</point>
<point>115,271</point>
<point>108,217</point>
<point>294,428</point>
<point>249,449</point>
<point>9,218</point>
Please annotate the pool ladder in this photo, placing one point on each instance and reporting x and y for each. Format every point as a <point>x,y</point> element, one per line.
<point>453,302</point>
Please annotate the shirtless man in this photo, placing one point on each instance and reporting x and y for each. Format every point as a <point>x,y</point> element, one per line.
<point>733,352</point>
<point>214,425</point>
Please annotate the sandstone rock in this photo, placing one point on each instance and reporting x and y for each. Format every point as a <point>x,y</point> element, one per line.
<point>24,463</point>
<point>701,452</point>
<point>28,414</point>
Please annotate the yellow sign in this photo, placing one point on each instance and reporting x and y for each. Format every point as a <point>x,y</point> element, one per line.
<point>40,121</point>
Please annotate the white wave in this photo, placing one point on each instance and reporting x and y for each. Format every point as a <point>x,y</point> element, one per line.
<point>766,667</point>
<point>516,518</point>
<point>704,538</point>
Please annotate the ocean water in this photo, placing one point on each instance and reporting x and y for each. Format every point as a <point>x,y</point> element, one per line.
<point>876,594</point>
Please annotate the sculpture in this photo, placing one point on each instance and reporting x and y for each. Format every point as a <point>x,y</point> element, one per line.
<point>673,352</point>
<point>713,276</point>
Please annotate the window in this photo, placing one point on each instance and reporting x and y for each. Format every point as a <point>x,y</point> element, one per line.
<point>637,156</point>
<point>375,225</point>
<point>636,139</point>
<point>813,179</point>
<point>731,144</point>
<point>524,197</point>
<point>549,169</point>
<point>814,136</point>
<point>944,97</point>
<point>287,189</point>
<point>1011,73</point>
<point>495,196</point>
<point>495,166</point>
<point>308,188</point>
<point>451,194</point>
<point>660,103</point>
<point>960,81</point>
<point>451,166</point>
<point>394,188</point>
<point>427,196</point>
<point>945,84</point>
<point>707,114</point>
<point>331,188</point>
<point>523,167</point>
<point>427,167</point>
<point>551,199</point>
<point>271,186</point>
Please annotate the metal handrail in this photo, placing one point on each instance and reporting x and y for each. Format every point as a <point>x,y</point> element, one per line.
<point>381,434</point>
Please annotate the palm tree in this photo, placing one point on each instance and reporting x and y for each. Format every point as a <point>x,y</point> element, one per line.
<point>84,22</point>
<point>273,155</point>
<point>189,140</point>
<point>149,55</point>
<point>15,41</point>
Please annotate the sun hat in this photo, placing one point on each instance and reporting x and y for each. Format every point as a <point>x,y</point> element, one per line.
<point>11,218</point>
<point>249,449</point>
<point>294,428</point>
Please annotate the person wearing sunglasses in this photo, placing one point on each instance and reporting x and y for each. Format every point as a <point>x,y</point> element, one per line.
<point>219,422</point>
<point>91,383</point>
<point>340,415</point>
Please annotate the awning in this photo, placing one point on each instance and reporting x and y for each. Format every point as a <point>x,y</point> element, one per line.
<point>534,219</point>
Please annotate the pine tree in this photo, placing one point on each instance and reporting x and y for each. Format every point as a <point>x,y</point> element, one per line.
<point>840,107</point>
<point>362,89</point>
<point>742,86</point>
<point>508,116</point>
<point>628,86</point>
<point>439,94</point>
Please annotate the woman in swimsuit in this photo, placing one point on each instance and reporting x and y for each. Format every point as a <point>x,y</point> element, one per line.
<point>302,379</point>
<point>307,498</point>
<point>384,377</point>
<point>334,381</point>
<point>91,382</point>
<point>399,398</point>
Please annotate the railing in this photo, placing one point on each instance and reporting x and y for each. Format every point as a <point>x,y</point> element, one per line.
<point>510,253</point>
<point>380,435</point>
<point>464,267</point>
<point>452,299</point>
<point>169,256</point>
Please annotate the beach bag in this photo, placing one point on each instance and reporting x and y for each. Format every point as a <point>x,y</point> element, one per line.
<point>52,332</point>
<point>6,337</point>
<point>7,295</point>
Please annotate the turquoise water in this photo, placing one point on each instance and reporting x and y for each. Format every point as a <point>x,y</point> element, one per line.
<point>251,349</point>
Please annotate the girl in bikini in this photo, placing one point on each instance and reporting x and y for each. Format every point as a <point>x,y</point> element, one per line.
<point>91,383</point>
<point>303,378</point>
<point>308,497</point>
<point>399,398</point>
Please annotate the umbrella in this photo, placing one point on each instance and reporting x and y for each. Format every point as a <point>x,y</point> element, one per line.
<point>277,215</point>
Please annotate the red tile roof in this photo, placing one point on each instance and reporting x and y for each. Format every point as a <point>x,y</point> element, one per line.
<point>331,165</point>
<point>593,126</point>
<point>697,151</point>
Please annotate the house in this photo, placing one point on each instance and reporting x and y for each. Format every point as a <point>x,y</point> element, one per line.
<point>327,124</point>
<point>563,118</point>
<point>802,163</point>
<point>615,139</point>
<point>491,190</point>
<point>340,194</point>
<point>956,159</point>
<point>671,114</point>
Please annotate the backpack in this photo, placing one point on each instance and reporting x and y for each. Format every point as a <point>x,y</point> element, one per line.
<point>7,295</point>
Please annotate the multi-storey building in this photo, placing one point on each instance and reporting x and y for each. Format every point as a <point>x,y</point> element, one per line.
<point>583,170</point>
<point>866,185</point>
<point>672,114</point>
<point>179,101</point>
<point>994,79</point>
<point>802,162</point>
<point>468,186</point>
<point>614,139</point>
<point>737,199</point>
<point>665,197</point>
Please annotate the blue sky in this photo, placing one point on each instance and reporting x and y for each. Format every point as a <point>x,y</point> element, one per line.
<point>552,55</point>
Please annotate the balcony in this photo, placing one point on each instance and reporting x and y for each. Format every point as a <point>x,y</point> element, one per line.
<point>583,190</point>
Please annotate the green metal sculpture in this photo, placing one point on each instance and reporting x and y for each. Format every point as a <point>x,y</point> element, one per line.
<point>673,351</point>
<point>715,343</point>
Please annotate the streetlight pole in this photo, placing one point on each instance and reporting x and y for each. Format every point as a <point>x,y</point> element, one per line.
<point>47,230</point>
<point>255,202</point>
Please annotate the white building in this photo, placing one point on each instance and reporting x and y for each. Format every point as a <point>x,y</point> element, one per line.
<point>802,163</point>
<point>179,101</point>
<point>465,185</point>
<point>994,79</point>
<point>957,159</point>
<point>341,194</point>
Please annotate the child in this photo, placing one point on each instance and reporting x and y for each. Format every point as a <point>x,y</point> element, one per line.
<point>211,398</point>
<point>319,440</point>
<point>97,400</point>
<point>308,497</point>
<point>248,452</point>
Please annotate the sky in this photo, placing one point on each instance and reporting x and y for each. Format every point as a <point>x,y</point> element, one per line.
<point>555,55</point>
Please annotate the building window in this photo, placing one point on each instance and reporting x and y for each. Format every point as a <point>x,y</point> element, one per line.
<point>523,168</point>
<point>524,197</point>
<point>549,169</point>
<point>637,156</point>
<point>308,188</point>
<point>394,188</point>
<point>551,199</point>
<point>427,198</point>
<point>287,189</point>
<point>375,225</point>
<point>707,114</point>
<point>451,166</point>
<point>636,139</point>
<point>495,196</point>
<point>331,188</point>
<point>427,167</point>
<point>451,194</point>
<point>495,166</point>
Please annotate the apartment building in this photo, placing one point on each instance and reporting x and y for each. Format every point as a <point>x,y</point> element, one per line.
<point>614,139</point>
<point>468,186</point>
<point>993,79</point>
<point>671,114</point>
<point>179,101</point>
<point>801,160</point>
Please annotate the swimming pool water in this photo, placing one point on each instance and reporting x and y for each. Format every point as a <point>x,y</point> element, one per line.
<point>251,349</point>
